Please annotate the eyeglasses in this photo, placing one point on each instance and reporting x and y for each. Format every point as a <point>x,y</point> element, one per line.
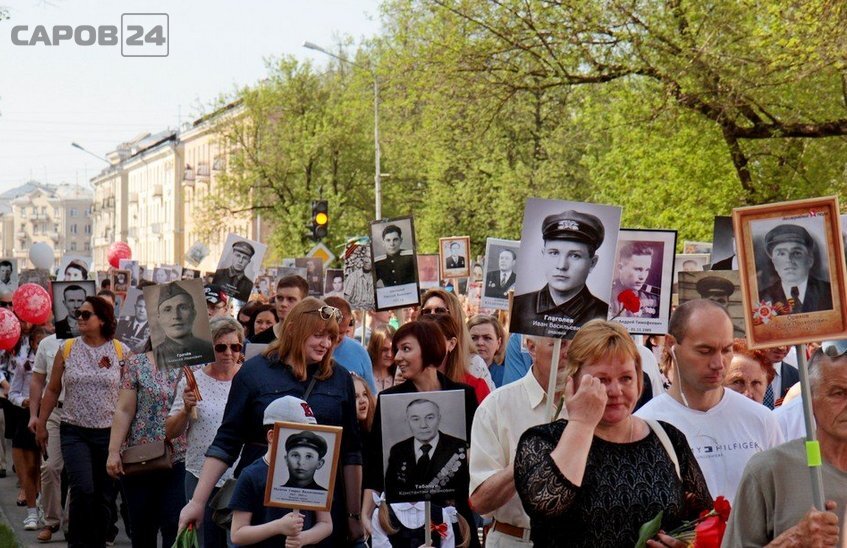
<point>83,315</point>
<point>328,312</point>
<point>834,349</point>
<point>221,348</point>
<point>5,304</point>
<point>436,310</point>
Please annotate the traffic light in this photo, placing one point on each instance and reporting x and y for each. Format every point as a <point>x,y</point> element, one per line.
<point>320,219</point>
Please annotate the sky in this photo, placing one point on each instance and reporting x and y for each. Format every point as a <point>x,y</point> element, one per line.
<point>51,96</point>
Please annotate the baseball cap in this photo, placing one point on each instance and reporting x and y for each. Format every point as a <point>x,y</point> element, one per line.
<point>288,409</point>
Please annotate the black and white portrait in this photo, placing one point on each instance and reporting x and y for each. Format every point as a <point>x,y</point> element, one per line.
<point>428,271</point>
<point>690,262</point>
<point>133,328</point>
<point>265,286</point>
<point>302,469</point>
<point>196,253</point>
<point>454,256</point>
<point>358,278</point>
<point>424,445</point>
<point>134,270</point>
<point>724,255</point>
<point>314,276</point>
<point>239,264</point>
<point>8,274</point>
<point>68,298</point>
<point>73,268</point>
<point>34,276</point>
<point>791,269</point>
<point>164,274</point>
<point>120,280</point>
<point>564,275</point>
<point>395,271</point>
<point>642,279</point>
<point>190,274</point>
<point>334,283</point>
<point>179,323</point>
<point>501,260</point>
<point>722,287</point>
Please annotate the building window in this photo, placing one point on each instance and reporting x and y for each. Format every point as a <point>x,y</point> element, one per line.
<point>88,229</point>
<point>55,227</point>
<point>55,212</point>
<point>74,212</point>
<point>87,246</point>
<point>87,211</point>
<point>74,230</point>
<point>73,246</point>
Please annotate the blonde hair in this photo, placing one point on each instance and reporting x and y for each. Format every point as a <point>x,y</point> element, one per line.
<point>499,332</point>
<point>367,424</point>
<point>599,339</point>
<point>302,322</point>
<point>388,527</point>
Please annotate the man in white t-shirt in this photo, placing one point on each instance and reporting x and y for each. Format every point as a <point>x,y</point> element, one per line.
<point>724,429</point>
<point>497,427</point>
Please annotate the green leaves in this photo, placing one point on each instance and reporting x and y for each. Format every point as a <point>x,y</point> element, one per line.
<point>649,530</point>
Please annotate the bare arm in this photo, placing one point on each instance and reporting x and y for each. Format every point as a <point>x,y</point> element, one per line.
<point>585,409</point>
<point>211,472</point>
<point>124,413</point>
<point>177,423</point>
<point>368,507</point>
<point>352,489</point>
<point>321,530</point>
<point>815,529</point>
<point>291,524</point>
<point>48,401</point>
<point>36,387</point>
<point>494,492</point>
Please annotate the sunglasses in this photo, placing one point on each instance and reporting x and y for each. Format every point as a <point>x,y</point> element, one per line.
<point>436,310</point>
<point>83,315</point>
<point>328,312</point>
<point>221,348</point>
<point>834,349</point>
<point>5,304</point>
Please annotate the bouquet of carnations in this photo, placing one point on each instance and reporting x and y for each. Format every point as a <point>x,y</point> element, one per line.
<point>704,532</point>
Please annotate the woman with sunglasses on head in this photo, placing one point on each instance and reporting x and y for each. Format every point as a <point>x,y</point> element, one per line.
<point>439,301</point>
<point>201,419</point>
<point>419,349</point>
<point>299,363</point>
<point>89,369</point>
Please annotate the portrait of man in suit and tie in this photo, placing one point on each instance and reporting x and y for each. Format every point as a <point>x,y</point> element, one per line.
<point>68,297</point>
<point>428,462</point>
<point>499,282</point>
<point>455,259</point>
<point>134,330</point>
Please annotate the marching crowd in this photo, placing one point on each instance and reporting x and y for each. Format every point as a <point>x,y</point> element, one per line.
<point>664,426</point>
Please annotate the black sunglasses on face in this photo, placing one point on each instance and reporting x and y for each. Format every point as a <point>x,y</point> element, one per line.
<point>83,315</point>
<point>436,310</point>
<point>221,348</point>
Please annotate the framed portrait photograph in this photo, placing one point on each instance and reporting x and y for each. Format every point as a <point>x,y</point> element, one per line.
<point>133,328</point>
<point>283,271</point>
<point>724,256</point>
<point>73,268</point>
<point>424,445</point>
<point>164,274</point>
<point>190,274</point>
<point>358,276</point>
<point>68,298</point>
<point>196,253</point>
<point>643,279</point>
<point>428,271</point>
<point>455,257</point>
<point>690,262</point>
<point>720,286</point>
<point>689,246</point>
<point>791,257</point>
<point>501,259</point>
<point>265,286</point>
<point>34,276</point>
<point>395,271</point>
<point>134,270</point>
<point>239,265</point>
<point>303,465</point>
<point>314,269</point>
<point>334,283</point>
<point>564,271</point>
<point>120,280</point>
<point>179,324</point>
<point>8,274</point>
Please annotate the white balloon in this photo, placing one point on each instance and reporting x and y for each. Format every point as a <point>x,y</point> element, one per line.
<point>41,255</point>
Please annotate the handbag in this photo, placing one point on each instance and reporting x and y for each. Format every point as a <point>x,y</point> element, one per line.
<point>147,457</point>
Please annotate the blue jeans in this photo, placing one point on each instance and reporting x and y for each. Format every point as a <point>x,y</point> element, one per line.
<point>209,534</point>
<point>84,451</point>
<point>154,500</point>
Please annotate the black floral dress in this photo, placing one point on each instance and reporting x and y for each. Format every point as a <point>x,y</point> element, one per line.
<point>624,486</point>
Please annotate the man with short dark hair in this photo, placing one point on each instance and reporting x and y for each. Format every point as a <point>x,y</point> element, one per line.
<point>723,428</point>
<point>774,506</point>
<point>635,260</point>
<point>792,252</point>
<point>73,297</point>
<point>397,265</point>
<point>454,260</point>
<point>6,276</point>
<point>499,282</point>
<point>232,279</point>
<point>290,290</point>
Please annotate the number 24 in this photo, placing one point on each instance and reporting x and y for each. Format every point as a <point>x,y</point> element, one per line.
<point>154,36</point>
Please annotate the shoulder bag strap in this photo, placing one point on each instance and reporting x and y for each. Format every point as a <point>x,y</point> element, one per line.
<point>666,443</point>
<point>309,388</point>
<point>66,348</point>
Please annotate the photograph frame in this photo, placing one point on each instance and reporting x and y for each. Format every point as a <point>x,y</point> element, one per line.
<point>768,323</point>
<point>13,283</point>
<point>239,285</point>
<point>406,291</point>
<point>274,471</point>
<point>429,272</point>
<point>658,295</point>
<point>490,284</point>
<point>329,290</point>
<point>358,279</point>
<point>444,246</point>
<point>197,347</point>
<point>60,311</point>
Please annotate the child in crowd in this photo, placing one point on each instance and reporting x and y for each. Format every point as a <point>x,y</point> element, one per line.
<point>255,524</point>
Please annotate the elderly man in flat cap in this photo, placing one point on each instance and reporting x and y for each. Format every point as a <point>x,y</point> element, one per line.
<point>571,239</point>
<point>792,251</point>
<point>176,314</point>
<point>232,279</point>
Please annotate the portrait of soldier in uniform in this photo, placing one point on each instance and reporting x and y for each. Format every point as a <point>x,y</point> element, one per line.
<point>567,257</point>
<point>232,277</point>
<point>635,262</point>
<point>395,266</point>
<point>181,335</point>
<point>68,298</point>
<point>134,330</point>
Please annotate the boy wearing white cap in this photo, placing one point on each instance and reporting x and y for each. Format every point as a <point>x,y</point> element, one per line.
<point>255,524</point>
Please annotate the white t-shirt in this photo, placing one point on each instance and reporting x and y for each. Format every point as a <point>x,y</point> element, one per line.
<point>210,414</point>
<point>790,418</point>
<point>723,438</point>
<point>650,366</point>
<point>44,357</point>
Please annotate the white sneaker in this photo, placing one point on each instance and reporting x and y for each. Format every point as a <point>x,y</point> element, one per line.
<point>31,522</point>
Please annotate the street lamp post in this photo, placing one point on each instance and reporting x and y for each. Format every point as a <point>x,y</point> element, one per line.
<point>82,148</point>
<point>377,171</point>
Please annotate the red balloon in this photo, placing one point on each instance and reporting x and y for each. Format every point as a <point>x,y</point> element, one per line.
<point>10,329</point>
<point>118,251</point>
<point>32,303</point>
